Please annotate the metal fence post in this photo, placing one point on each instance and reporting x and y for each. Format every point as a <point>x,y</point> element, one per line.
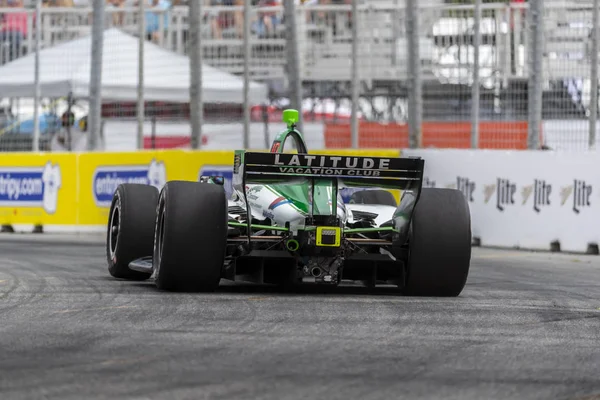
<point>475,88</point>
<point>140,89</point>
<point>355,75</point>
<point>415,100</point>
<point>195,51</point>
<point>95,113</point>
<point>294,78</point>
<point>536,72</point>
<point>247,54</point>
<point>37,94</point>
<point>594,79</point>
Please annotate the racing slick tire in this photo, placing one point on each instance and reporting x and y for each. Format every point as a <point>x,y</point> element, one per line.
<point>190,236</point>
<point>130,233</point>
<point>374,196</point>
<point>439,244</point>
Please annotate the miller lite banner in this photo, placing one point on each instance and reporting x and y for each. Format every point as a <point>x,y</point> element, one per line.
<point>522,199</point>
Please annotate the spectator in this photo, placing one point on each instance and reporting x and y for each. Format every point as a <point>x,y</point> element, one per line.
<point>58,3</point>
<point>159,8</point>
<point>329,18</point>
<point>238,17</point>
<point>72,137</point>
<point>268,21</point>
<point>13,29</point>
<point>117,17</point>
<point>220,20</point>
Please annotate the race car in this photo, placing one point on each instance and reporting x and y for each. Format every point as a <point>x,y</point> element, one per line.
<point>295,218</point>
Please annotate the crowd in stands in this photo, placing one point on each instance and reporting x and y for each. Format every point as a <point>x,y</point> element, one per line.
<point>266,23</point>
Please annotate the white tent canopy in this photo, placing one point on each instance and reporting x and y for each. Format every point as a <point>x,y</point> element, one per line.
<point>65,69</point>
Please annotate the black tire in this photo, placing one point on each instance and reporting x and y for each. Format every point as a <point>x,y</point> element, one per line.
<point>130,232</point>
<point>439,244</point>
<point>375,196</point>
<point>191,236</point>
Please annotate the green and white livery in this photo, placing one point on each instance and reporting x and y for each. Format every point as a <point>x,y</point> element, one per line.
<point>286,223</point>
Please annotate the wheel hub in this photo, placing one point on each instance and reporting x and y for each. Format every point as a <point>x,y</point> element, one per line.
<point>115,222</point>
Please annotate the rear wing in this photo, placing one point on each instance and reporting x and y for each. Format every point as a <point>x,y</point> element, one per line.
<point>350,171</point>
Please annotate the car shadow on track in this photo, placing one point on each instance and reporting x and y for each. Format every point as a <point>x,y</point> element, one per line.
<point>228,287</point>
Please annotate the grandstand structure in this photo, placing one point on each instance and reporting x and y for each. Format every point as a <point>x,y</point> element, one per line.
<point>446,46</point>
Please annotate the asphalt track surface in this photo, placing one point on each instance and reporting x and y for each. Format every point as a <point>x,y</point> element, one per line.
<point>527,326</point>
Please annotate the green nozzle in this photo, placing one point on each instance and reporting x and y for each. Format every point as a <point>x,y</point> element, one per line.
<point>292,245</point>
<point>290,116</point>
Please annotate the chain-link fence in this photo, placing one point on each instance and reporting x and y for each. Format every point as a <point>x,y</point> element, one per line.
<point>408,66</point>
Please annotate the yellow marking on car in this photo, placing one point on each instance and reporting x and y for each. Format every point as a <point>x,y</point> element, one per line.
<point>329,236</point>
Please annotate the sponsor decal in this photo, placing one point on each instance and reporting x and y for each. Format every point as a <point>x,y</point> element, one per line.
<point>268,214</point>
<point>252,192</point>
<point>31,187</point>
<point>466,186</point>
<point>106,179</point>
<point>306,160</point>
<point>275,147</point>
<point>331,165</point>
<point>254,189</point>
<point>505,193</point>
<point>541,191</point>
<point>328,171</point>
<point>279,202</point>
<point>219,170</point>
<point>580,192</point>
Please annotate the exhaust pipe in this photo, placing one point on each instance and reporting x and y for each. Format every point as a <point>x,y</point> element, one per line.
<point>292,245</point>
<point>316,272</point>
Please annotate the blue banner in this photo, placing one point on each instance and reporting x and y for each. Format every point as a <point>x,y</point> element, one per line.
<point>30,187</point>
<point>21,186</point>
<point>107,179</point>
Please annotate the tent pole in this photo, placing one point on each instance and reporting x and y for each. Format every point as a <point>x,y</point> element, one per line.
<point>247,54</point>
<point>37,90</point>
<point>195,46</point>
<point>265,117</point>
<point>69,111</point>
<point>95,94</point>
<point>140,94</point>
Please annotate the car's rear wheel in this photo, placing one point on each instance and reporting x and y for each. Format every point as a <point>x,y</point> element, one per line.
<point>439,244</point>
<point>373,196</point>
<point>130,233</point>
<point>191,236</point>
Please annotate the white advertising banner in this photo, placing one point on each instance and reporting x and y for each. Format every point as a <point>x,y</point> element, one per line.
<point>523,199</point>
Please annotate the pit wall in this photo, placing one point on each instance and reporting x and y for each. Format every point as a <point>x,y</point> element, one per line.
<point>538,200</point>
<point>72,192</point>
